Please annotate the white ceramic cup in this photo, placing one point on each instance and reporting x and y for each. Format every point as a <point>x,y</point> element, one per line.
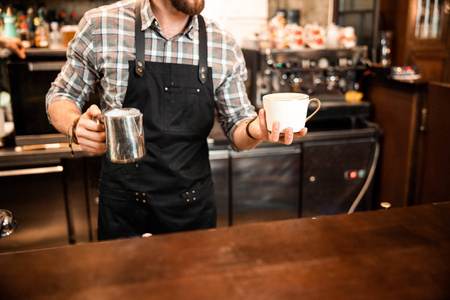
<point>290,109</point>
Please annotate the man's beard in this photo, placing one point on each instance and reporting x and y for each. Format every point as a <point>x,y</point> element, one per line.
<point>188,8</point>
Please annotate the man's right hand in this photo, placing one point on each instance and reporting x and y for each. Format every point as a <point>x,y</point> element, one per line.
<point>91,135</point>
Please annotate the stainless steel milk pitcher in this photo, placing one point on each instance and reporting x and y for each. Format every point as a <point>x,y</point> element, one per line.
<point>125,141</point>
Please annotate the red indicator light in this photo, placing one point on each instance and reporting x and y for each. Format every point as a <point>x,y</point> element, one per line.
<point>353,174</point>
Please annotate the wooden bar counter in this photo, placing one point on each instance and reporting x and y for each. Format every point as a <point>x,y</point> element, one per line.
<point>401,253</point>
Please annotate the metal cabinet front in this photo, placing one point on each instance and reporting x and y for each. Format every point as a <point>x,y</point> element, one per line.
<point>265,184</point>
<point>334,173</point>
<point>35,196</point>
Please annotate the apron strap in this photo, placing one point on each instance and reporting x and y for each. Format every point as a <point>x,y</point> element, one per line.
<point>140,46</point>
<point>140,42</point>
<point>203,51</point>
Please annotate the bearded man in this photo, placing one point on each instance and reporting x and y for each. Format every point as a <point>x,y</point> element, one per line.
<point>163,58</point>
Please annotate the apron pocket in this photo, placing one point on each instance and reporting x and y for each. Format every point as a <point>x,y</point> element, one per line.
<point>181,109</point>
<point>121,213</point>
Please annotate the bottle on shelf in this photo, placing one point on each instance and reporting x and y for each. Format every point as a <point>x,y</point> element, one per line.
<point>30,23</point>
<point>55,36</point>
<point>24,33</point>
<point>62,19</point>
<point>9,29</point>
<point>69,29</point>
<point>73,19</point>
<point>42,34</point>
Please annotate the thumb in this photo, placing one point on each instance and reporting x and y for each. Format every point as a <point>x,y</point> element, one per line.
<point>92,111</point>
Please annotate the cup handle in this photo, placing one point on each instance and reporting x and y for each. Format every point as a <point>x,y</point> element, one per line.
<point>317,109</point>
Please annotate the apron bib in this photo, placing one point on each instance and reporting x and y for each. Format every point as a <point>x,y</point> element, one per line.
<point>171,188</point>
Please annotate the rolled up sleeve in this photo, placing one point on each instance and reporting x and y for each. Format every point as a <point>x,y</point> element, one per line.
<point>233,105</point>
<point>78,76</point>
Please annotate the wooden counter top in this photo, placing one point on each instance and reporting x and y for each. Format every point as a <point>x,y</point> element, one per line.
<point>401,253</point>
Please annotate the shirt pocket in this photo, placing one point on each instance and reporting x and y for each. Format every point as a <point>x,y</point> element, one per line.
<point>182,109</point>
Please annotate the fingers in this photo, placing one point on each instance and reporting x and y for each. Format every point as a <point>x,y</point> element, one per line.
<point>301,133</point>
<point>91,135</point>
<point>20,51</point>
<point>262,125</point>
<point>92,111</point>
<point>90,114</point>
<point>17,47</point>
<point>274,136</point>
<point>288,136</point>
<point>97,148</point>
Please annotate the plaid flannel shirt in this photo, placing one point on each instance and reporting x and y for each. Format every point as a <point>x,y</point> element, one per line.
<point>104,43</point>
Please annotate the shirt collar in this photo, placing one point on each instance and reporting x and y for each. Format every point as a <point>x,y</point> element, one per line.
<point>148,19</point>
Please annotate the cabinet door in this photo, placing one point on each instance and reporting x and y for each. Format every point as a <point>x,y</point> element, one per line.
<point>265,184</point>
<point>334,173</point>
<point>397,110</point>
<point>35,196</point>
<point>434,169</point>
<point>427,41</point>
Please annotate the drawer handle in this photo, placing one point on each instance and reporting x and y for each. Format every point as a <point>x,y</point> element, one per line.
<point>31,171</point>
<point>45,66</point>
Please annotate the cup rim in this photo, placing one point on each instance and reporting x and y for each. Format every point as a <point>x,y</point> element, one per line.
<point>286,96</point>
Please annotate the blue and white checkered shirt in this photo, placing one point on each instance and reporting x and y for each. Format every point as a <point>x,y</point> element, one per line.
<point>104,43</point>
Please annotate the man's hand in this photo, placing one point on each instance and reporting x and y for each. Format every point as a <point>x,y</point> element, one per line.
<point>14,44</point>
<point>91,135</point>
<point>275,136</point>
<point>258,130</point>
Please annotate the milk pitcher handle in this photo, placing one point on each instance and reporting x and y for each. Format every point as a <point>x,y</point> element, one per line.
<point>99,119</point>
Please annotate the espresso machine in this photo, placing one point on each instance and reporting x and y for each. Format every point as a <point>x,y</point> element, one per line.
<point>326,74</point>
<point>338,156</point>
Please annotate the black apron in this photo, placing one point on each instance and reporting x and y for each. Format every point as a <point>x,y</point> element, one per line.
<point>171,188</point>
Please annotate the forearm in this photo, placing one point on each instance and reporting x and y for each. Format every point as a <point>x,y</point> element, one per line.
<point>62,114</point>
<point>242,141</point>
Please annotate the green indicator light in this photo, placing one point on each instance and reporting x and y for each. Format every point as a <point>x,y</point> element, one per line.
<point>362,173</point>
<point>279,65</point>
